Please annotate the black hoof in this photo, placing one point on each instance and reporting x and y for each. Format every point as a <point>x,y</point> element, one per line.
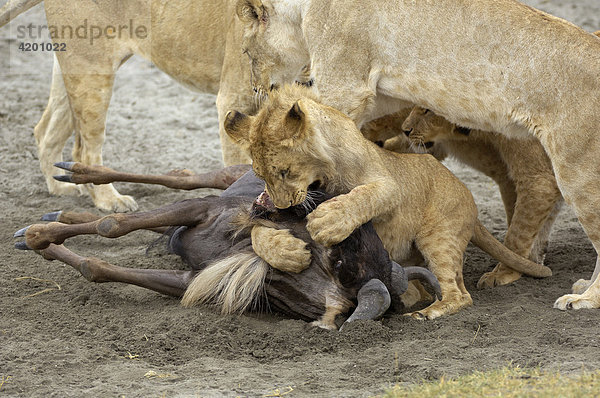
<point>63,178</point>
<point>22,246</point>
<point>65,165</point>
<point>20,233</point>
<point>54,216</point>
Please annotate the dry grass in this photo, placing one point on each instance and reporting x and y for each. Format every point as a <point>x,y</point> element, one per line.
<point>23,278</point>
<point>4,380</point>
<point>508,382</point>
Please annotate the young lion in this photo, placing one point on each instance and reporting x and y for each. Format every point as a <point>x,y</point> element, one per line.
<point>521,169</point>
<point>495,65</point>
<point>415,203</point>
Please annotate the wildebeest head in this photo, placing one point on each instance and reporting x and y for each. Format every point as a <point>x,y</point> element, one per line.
<point>360,263</point>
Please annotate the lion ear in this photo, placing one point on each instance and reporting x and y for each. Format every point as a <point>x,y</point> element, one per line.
<point>295,122</point>
<point>296,114</point>
<point>251,11</point>
<point>237,127</point>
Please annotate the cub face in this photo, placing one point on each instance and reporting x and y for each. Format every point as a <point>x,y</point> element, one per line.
<point>424,128</point>
<point>279,141</point>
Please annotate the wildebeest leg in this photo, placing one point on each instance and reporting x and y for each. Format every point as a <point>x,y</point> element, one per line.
<point>178,179</point>
<point>186,213</point>
<point>170,282</point>
<point>75,217</point>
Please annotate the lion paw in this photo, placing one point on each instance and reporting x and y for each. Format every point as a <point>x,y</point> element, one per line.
<point>107,198</point>
<point>580,286</point>
<point>329,223</point>
<point>451,304</point>
<point>576,302</point>
<point>418,315</point>
<point>499,276</point>
<point>280,249</point>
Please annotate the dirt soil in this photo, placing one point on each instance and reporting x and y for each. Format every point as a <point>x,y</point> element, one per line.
<point>89,339</point>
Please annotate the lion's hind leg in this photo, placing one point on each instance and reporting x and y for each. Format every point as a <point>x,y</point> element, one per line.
<point>443,250</point>
<point>574,156</point>
<point>535,212</point>
<point>589,298</point>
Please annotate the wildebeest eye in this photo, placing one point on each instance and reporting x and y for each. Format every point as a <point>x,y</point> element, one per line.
<point>338,265</point>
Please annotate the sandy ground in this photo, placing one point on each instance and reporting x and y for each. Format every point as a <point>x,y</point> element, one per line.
<point>117,340</point>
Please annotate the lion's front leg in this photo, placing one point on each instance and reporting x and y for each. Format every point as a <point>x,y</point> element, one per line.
<point>280,249</point>
<point>334,220</point>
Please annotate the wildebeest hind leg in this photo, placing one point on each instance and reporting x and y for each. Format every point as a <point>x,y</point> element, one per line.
<point>169,282</point>
<point>77,217</point>
<point>185,213</point>
<point>177,179</point>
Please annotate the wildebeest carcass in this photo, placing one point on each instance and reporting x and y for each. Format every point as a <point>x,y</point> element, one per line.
<point>213,235</point>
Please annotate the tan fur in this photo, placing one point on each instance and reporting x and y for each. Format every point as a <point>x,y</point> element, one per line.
<point>412,199</point>
<point>12,8</point>
<point>280,248</point>
<point>197,43</point>
<point>521,169</point>
<point>493,65</point>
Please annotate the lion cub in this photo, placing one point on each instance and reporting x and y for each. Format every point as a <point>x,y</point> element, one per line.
<point>414,202</point>
<point>521,169</point>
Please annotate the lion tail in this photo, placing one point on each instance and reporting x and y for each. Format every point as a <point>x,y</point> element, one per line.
<point>232,283</point>
<point>483,239</point>
<point>13,8</point>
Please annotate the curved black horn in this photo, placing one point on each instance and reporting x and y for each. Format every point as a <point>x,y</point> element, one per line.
<point>373,301</point>
<point>399,280</point>
<point>424,275</point>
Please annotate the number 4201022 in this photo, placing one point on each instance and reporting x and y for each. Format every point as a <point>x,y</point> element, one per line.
<point>43,47</point>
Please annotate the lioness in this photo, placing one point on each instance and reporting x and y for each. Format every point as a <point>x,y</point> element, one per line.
<point>415,203</point>
<point>521,169</point>
<point>197,43</point>
<point>494,65</point>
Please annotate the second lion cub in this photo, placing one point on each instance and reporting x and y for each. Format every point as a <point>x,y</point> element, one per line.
<point>415,203</point>
<point>522,170</point>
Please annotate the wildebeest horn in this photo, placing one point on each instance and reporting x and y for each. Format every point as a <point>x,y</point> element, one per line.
<point>424,275</point>
<point>373,301</point>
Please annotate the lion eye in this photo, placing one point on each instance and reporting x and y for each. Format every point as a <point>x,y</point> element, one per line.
<point>284,173</point>
<point>426,111</point>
